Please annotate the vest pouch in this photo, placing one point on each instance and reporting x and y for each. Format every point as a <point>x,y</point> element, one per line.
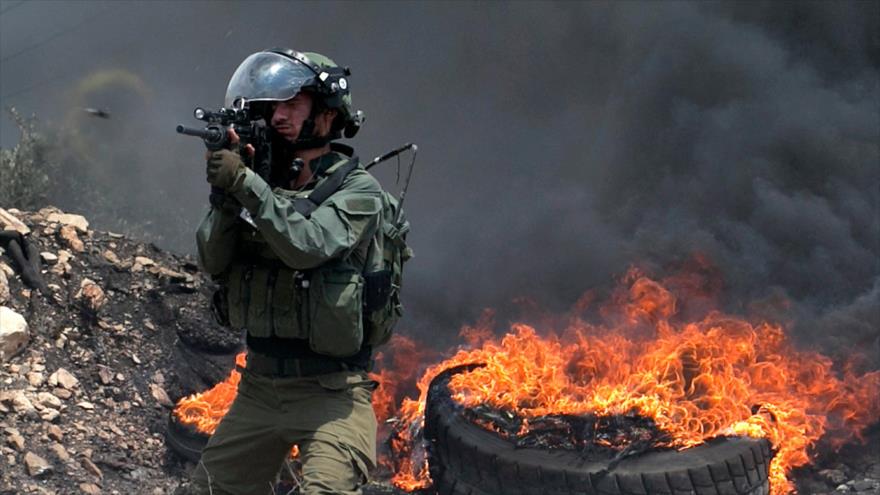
<point>380,323</point>
<point>257,296</point>
<point>335,309</point>
<point>288,306</point>
<point>236,285</point>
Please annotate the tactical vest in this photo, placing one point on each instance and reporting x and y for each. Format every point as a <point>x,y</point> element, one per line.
<point>323,306</point>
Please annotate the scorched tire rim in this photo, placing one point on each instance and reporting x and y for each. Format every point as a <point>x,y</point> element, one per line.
<point>465,459</point>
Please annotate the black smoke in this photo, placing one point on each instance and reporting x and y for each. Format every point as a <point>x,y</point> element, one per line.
<point>560,142</point>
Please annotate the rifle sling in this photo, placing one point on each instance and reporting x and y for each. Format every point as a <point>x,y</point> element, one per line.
<point>306,206</point>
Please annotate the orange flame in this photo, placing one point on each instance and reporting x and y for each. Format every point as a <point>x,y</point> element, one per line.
<point>719,375</point>
<point>204,410</point>
<point>696,377</point>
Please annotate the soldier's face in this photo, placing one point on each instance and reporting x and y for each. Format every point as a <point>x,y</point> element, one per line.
<point>288,116</point>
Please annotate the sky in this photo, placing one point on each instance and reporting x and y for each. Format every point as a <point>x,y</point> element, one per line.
<point>559,143</point>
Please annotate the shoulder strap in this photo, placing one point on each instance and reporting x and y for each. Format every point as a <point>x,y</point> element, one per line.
<point>305,206</point>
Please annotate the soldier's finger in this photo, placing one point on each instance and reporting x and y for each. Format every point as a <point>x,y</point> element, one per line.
<point>250,149</point>
<point>233,136</point>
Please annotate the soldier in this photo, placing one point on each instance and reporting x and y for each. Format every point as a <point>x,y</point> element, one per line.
<point>294,281</point>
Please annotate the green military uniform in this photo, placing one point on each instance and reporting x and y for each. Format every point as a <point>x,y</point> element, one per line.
<point>295,284</point>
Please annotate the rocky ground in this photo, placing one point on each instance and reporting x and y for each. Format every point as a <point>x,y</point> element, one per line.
<point>93,359</point>
<point>85,401</point>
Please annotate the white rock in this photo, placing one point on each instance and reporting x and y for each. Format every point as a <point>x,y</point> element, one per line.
<point>64,378</point>
<point>49,415</point>
<point>4,287</point>
<point>35,378</point>
<point>77,221</point>
<point>13,333</point>
<point>48,399</point>
<point>49,257</point>
<point>8,221</point>
<point>160,395</point>
<point>143,261</point>
<point>21,403</point>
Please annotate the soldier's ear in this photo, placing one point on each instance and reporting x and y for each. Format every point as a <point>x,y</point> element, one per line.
<point>326,119</point>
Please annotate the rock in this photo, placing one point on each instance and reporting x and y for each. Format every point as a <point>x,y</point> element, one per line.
<point>78,222</point>
<point>48,400</point>
<point>105,374</point>
<point>160,395</point>
<point>173,275</point>
<point>21,403</point>
<point>143,261</point>
<point>8,221</point>
<point>834,476</point>
<point>36,465</point>
<point>86,405</point>
<point>68,235</point>
<point>90,466</point>
<point>111,257</point>
<point>64,378</point>
<point>90,488</point>
<point>49,414</point>
<point>35,378</point>
<point>55,433</point>
<point>62,267</point>
<point>60,452</point>
<point>15,439</point>
<point>62,393</point>
<point>13,333</point>
<point>49,258</point>
<point>4,287</point>
<point>92,295</point>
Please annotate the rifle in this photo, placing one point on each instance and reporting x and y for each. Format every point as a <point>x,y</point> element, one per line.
<point>250,126</point>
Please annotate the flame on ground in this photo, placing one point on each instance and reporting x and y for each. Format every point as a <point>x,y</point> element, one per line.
<point>717,376</point>
<point>697,378</point>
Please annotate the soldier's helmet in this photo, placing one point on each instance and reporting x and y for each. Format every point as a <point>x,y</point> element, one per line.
<point>278,74</point>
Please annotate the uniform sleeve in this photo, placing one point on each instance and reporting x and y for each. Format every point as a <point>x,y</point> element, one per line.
<point>215,239</point>
<point>334,228</point>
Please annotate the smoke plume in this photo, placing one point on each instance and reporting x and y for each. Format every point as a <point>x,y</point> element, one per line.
<point>560,142</point>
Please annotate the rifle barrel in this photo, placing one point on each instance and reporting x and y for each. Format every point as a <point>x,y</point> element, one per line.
<point>208,134</point>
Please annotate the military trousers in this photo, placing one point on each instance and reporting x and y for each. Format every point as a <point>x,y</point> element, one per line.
<point>330,417</point>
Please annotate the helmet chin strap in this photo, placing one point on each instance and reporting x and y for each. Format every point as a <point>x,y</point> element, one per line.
<point>306,138</point>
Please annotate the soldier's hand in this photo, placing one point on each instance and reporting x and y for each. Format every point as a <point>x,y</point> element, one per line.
<point>224,168</point>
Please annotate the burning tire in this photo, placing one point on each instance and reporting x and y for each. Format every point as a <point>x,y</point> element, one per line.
<point>185,439</point>
<point>466,459</point>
